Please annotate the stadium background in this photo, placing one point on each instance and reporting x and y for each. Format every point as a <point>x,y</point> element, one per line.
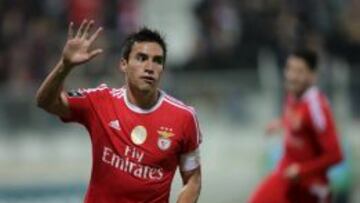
<point>225,58</point>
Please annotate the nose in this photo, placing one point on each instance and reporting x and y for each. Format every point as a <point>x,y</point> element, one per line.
<point>149,67</point>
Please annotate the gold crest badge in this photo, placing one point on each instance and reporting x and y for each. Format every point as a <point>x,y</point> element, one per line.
<point>164,141</point>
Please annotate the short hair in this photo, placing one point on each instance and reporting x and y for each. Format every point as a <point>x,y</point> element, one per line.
<point>143,35</point>
<point>310,57</point>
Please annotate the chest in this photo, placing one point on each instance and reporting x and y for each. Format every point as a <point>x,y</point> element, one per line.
<point>154,139</point>
<point>154,134</point>
<point>296,117</point>
<point>298,127</point>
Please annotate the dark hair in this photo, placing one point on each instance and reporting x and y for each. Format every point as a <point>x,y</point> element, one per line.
<point>143,35</point>
<point>309,56</point>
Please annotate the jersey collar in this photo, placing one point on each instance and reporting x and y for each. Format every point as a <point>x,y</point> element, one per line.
<point>137,109</point>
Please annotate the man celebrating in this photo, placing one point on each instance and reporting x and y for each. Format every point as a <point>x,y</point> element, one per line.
<point>310,147</point>
<point>139,134</point>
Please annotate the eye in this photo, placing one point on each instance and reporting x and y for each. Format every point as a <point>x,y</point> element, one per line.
<point>141,57</point>
<point>159,60</point>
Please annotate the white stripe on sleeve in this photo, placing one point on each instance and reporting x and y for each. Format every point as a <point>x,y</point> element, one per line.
<point>316,112</point>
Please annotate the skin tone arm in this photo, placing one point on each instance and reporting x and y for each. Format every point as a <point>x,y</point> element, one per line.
<point>275,126</point>
<point>51,96</point>
<point>192,186</point>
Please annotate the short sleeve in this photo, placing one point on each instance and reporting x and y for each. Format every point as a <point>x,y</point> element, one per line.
<point>319,113</point>
<point>79,105</point>
<point>192,133</point>
<point>321,120</point>
<point>190,157</point>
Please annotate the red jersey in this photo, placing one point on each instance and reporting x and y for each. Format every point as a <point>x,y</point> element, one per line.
<point>310,137</point>
<point>135,152</point>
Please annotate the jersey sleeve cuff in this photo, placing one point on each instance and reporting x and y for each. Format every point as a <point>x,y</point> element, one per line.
<point>190,161</point>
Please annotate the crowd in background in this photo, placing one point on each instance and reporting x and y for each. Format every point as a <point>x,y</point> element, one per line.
<point>231,34</point>
<point>241,28</point>
<point>33,31</point>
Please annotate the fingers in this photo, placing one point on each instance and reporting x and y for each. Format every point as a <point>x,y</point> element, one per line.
<point>70,30</point>
<point>95,35</point>
<point>81,28</point>
<point>95,53</point>
<point>85,34</point>
<point>83,31</point>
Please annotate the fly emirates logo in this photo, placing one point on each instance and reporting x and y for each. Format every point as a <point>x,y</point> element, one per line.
<point>125,163</point>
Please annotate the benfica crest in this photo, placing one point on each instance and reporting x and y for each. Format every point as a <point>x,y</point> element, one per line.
<point>164,141</point>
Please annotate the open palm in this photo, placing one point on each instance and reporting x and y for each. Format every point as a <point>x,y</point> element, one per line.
<point>77,48</point>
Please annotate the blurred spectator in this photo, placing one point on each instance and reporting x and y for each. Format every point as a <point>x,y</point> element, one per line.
<point>128,16</point>
<point>350,28</point>
<point>219,31</point>
<point>85,9</point>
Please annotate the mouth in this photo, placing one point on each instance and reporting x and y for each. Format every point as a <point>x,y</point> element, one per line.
<point>148,79</point>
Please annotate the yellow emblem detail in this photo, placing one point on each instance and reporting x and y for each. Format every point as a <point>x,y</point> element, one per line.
<point>165,132</point>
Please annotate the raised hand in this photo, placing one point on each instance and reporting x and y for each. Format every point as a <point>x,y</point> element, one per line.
<point>76,50</point>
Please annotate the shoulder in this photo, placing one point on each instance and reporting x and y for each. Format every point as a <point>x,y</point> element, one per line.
<point>102,91</point>
<point>103,88</point>
<point>318,107</point>
<point>179,106</point>
<point>315,98</point>
<point>117,92</point>
<point>84,92</point>
<point>100,88</point>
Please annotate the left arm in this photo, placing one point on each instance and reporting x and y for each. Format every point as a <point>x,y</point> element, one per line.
<point>190,166</point>
<point>191,186</point>
<point>331,155</point>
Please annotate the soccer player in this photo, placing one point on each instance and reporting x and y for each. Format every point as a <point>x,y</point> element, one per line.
<point>310,146</point>
<point>139,134</point>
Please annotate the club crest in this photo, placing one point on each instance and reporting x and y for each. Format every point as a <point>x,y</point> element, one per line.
<point>164,141</point>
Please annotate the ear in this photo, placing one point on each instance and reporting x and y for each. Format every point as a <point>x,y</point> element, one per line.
<point>123,65</point>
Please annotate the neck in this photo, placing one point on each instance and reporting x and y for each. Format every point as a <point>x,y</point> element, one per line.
<point>298,95</point>
<point>142,99</point>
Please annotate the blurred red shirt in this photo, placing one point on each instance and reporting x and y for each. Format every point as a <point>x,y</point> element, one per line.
<point>310,137</point>
<point>85,9</point>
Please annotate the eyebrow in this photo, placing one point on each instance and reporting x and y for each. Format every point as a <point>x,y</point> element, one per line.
<point>141,53</point>
<point>159,56</point>
<point>155,56</point>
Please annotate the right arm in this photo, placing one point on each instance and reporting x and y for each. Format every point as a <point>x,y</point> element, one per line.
<point>51,96</point>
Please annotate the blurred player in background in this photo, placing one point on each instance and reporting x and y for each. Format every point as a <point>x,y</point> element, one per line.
<point>139,134</point>
<point>311,145</point>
